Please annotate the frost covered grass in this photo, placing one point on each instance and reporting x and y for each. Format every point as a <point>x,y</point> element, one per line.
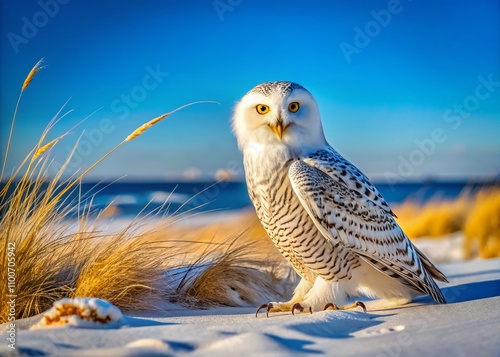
<point>477,215</point>
<point>53,260</point>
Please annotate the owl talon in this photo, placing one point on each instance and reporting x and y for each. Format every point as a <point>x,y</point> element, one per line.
<point>268,307</point>
<point>360,304</point>
<point>299,307</point>
<point>331,305</point>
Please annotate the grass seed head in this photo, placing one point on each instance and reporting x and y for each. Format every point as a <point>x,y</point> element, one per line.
<point>145,127</point>
<point>38,66</point>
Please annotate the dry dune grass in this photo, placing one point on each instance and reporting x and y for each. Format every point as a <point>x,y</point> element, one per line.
<point>477,215</point>
<point>197,237</point>
<point>45,259</point>
<point>231,263</point>
<point>436,218</point>
<point>482,227</point>
<point>50,259</point>
<point>231,273</point>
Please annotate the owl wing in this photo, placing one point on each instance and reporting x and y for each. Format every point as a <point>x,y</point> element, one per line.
<point>347,209</point>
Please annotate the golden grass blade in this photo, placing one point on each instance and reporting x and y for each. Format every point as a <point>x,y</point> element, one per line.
<point>145,127</point>
<point>29,78</point>
<point>26,83</point>
<point>47,146</point>
<point>10,137</point>
<point>156,120</point>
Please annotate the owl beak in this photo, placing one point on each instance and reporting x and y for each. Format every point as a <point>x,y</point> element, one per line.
<point>278,129</point>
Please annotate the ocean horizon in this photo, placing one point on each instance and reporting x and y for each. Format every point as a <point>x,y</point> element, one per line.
<point>138,198</point>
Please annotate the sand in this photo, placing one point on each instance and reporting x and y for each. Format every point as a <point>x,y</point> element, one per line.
<point>468,325</point>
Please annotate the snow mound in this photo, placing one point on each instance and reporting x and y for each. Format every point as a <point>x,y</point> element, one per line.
<point>82,312</point>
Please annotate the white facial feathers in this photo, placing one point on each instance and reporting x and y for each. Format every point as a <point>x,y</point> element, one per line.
<point>278,113</point>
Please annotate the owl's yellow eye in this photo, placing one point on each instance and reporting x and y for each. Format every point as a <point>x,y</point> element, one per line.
<point>293,107</point>
<point>262,109</point>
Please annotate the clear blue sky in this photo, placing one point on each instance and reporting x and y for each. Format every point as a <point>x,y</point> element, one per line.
<point>383,84</point>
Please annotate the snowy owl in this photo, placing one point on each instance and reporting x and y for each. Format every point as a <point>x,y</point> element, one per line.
<point>322,213</point>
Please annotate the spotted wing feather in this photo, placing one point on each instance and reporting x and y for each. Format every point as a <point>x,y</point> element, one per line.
<point>357,217</point>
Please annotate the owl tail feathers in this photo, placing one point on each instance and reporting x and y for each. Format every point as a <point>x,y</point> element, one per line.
<point>431,268</point>
<point>431,273</point>
<point>433,290</point>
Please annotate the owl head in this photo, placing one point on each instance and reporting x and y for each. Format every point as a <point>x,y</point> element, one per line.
<point>278,113</point>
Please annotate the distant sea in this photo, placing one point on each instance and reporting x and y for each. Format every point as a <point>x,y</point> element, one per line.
<point>129,199</point>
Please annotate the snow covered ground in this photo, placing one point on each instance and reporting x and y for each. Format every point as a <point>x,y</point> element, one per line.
<point>468,325</point>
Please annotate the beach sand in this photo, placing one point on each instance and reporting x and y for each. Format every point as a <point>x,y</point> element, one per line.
<point>467,325</point>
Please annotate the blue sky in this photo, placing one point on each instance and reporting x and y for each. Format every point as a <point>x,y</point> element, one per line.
<point>406,89</point>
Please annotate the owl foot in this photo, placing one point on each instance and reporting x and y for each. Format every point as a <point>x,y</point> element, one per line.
<point>275,307</point>
<point>282,307</point>
<point>300,308</point>
<point>268,308</point>
<point>331,306</point>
